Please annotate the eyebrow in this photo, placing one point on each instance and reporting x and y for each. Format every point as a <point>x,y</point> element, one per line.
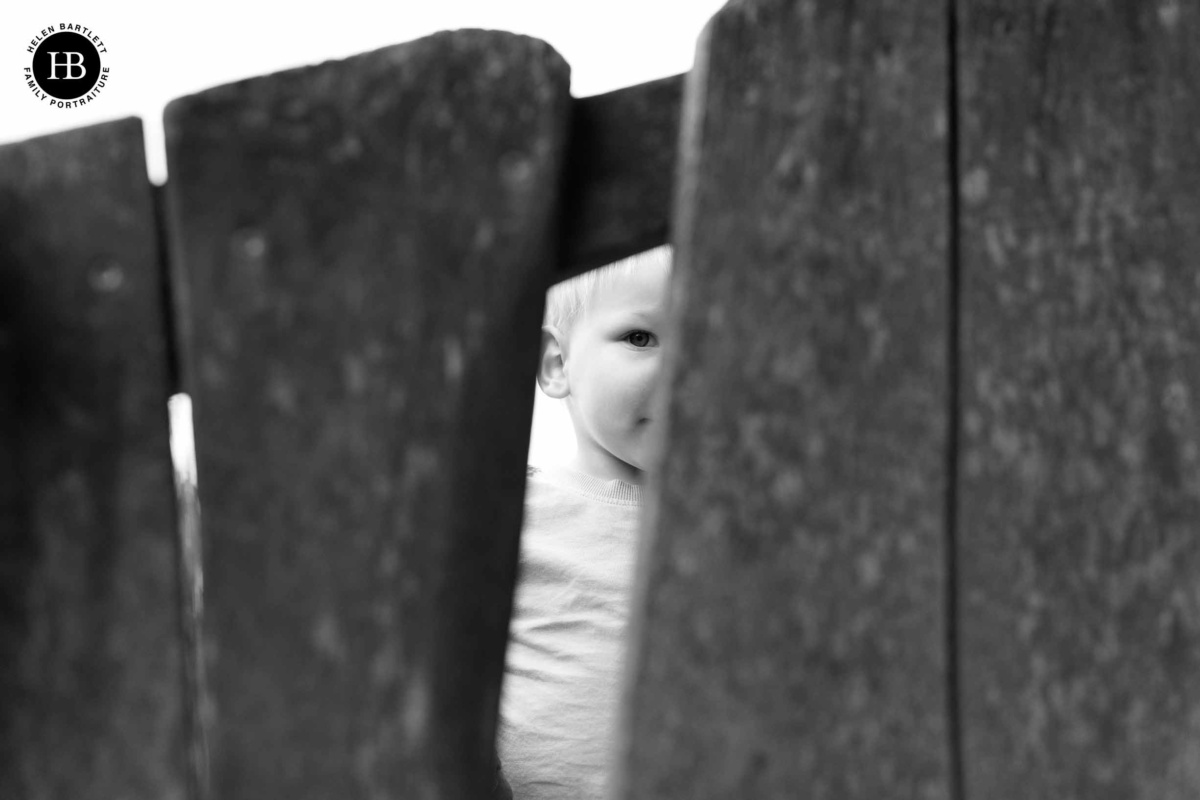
<point>634,316</point>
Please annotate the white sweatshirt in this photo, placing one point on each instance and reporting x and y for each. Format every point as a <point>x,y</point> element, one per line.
<point>567,640</point>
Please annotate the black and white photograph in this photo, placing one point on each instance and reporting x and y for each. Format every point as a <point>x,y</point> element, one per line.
<point>649,399</point>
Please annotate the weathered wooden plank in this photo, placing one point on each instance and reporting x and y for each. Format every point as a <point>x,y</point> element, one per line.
<point>791,642</point>
<point>366,244</point>
<point>90,693</point>
<point>1079,476</point>
<point>620,173</point>
<point>619,176</point>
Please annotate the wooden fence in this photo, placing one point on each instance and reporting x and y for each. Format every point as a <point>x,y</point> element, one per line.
<point>927,523</point>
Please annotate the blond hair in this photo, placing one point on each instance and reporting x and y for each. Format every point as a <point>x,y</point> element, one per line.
<point>566,301</point>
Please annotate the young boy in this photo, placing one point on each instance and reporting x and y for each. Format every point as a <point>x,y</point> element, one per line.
<point>601,354</point>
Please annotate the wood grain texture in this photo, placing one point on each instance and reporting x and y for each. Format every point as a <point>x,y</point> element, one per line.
<point>1080,487</point>
<point>90,689</point>
<point>792,622</point>
<point>365,245</point>
<point>620,174</point>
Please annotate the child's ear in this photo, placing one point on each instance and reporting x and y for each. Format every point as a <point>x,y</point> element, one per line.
<point>552,372</point>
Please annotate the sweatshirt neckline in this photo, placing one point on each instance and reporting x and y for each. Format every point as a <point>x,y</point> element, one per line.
<point>614,491</point>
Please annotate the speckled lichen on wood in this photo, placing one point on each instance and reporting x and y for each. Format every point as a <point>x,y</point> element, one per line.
<point>90,690</point>
<point>1079,502</point>
<point>364,247</point>
<point>791,629</point>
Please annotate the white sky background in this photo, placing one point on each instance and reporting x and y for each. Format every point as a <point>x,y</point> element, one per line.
<point>160,51</point>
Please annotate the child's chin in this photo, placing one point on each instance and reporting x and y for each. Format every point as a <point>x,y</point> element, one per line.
<point>637,460</point>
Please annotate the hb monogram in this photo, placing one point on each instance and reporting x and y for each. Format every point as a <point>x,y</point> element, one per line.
<point>70,64</point>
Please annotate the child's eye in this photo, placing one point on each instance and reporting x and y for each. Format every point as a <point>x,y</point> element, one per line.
<point>640,338</point>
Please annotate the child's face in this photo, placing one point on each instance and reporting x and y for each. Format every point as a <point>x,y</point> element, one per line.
<point>612,366</point>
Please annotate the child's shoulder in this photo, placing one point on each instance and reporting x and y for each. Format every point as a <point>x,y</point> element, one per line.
<point>542,483</point>
<point>566,508</point>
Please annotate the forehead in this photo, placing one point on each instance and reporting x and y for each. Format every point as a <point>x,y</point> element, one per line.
<point>642,289</point>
